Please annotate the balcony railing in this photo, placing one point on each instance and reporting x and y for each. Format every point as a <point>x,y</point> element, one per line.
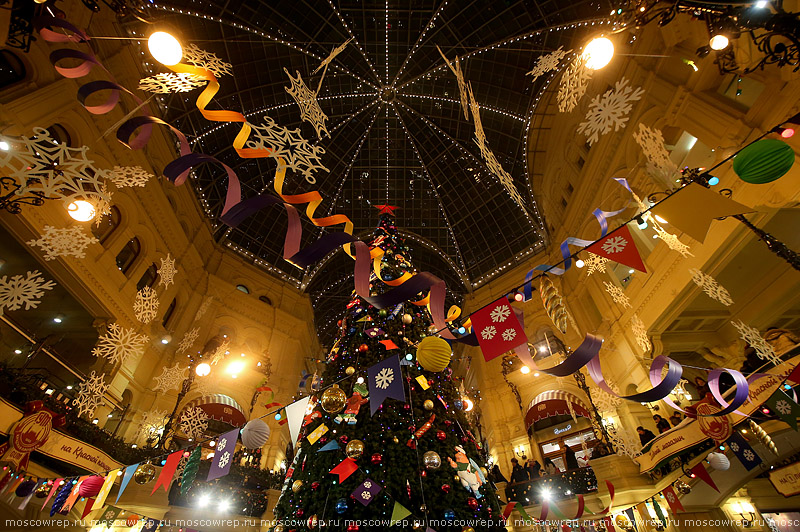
<point>554,487</point>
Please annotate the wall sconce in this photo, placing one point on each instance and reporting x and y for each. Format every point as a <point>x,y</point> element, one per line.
<point>519,450</point>
<point>742,508</point>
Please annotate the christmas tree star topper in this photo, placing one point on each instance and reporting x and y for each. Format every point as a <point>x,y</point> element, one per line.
<point>385,209</point>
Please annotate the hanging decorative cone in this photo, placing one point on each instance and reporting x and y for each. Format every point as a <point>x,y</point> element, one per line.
<point>190,470</point>
<point>553,303</point>
<point>763,437</point>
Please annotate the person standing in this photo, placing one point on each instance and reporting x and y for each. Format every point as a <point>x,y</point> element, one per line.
<point>570,459</point>
<point>550,467</point>
<point>534,469</point>
<point>661,424</point>
<point>645,436</point>
<point>519,479</point>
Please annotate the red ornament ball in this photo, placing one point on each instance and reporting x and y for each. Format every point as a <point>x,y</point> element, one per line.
<point>339,323</point>
<point>440,435</point>
<point>430,382</point>
<point>315,486</point>
<point>446,488</point>
<point>312,522</point>
<point>299,512</point>
<point>343,439</point>
<point>131,520</point>
<point>376,459</point>
<point>447,422</point>
<point>352,528</point>
<point>472,502</point>
<point>406,406</point>
<point>363,348</point>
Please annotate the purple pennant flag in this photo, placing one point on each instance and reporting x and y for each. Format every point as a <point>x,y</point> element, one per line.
<point>366,491</point>
<point>223,454</point>
<point>374,332</point>
<point>385,380</point>
<point>150,525</point>
<point>746,455</point>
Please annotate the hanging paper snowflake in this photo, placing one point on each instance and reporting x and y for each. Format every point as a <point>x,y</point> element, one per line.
<point>605,401</point>
<point>617,294</point>
<point>19,290</point>
<point>90,394</point>
<point>203,387</point>
<point>336,51</point>
<point>609,110</point>
<point>672,241</point>
<point>463,89</point>
<point>46,168</point>
<point>194,422</point>
<point>306,100</point>
<point>171,378</point>
<point>595,263</point>
<point>151,424</point>
<point>168,82</point>
<point>119,343</point>
<point>219,353</point>
<point>145,306</point>
<point>652,143</point>
<point>130,176</point>
<point>757,342</point>
<point>711,287</point>
<point>547,63</point>
<point>625,443</point>
<point>574,82</point>
<point>69,241</point>
<point>288,144</point>
<point>640,332</point>
<point>208,60</point>
<point>203,308</point>
<point>167,271</point>
<point>188,339</point>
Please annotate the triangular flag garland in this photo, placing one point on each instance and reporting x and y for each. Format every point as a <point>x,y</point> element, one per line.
<point>150,525</point>
<point>385,381</point>
<point>700,471</point>
<point>27,499</point>
<point>295,413</point>
<point>53,489</point>
<point>497,329</point>
<point>672,499</point>
<point>109,515</point>
<point>659,512</point>
<point>74,494</point>
<point>620,247</point>
<point>168,471</point>
<point>399,512</point>
<point>366,491</point>
<point>632,517</point>
<point>88,507</point>
<point>223,454</point>
<point>783,405</point>
<point>126,478</point>
<point>108,483</point>
<point>794,376</point>
<point>190,470</point>
<point>330,446</point>
<point>743,451</point>
<point>346,468</point>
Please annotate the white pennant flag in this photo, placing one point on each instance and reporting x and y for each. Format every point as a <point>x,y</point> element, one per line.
<point>295,413</point>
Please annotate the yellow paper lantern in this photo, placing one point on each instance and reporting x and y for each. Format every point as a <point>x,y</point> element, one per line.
<point>433,353</point>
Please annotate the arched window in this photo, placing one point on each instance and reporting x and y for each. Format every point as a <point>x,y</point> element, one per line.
<point>148,278</point>
<point>242,288</point>
<point>60,134</point>
<point>170,311</point>
<point>128,254</point>
<point>265,299</point>
<point>12,69</point>
<point>108,223</point>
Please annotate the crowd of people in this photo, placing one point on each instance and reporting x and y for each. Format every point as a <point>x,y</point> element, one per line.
<point>522,473</point>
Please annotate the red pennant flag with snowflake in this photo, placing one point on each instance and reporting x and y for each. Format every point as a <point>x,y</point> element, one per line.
<point>672,499</point>
<point>619,247</point>
<point>794,376</point>
<point>497,328</point>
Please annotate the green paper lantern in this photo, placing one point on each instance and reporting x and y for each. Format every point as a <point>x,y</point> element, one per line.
<point>763,161</point>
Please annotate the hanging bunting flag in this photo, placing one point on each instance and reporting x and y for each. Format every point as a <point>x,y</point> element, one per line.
<point>672,499</point>
<point>88,507</point>
<point>619,247</point>
<point>399,512</point>
<point>108,483</point>
<point>746,455</point>
<point>223,454</point>
<point>659,512</point>
<point>304,375</point>
<point>344,469</point>
<point>168,471</point>
<point>56,484</point>
<point>782,404</point>
<point>12,486</point>
<point>385,381</point>
<point>374,332</point>
<point>330,446</point>
<point>423,382</point>
<point>126,477</point>
<point>645,517</point>
<point>295,413</point>
<point>366,492</point>
<point>109,515</point>
<point>150,525</point>
<point>794,376</point>
<point>700,471</point>
<point>693,207</point>
<point>388,344</point>
<point>632,517</point>
<point>318,432</point>
<point>497,329</point>
<point>27,499</point>
<point>609,524</point>
<point>73,495</point>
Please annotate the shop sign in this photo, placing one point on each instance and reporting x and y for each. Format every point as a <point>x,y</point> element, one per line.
<point>561,430</point>
<point>786,479</point>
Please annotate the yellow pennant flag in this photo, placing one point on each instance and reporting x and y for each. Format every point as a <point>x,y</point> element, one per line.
<point>318,432</point>
<point>423,382</point>
<point>107,485</point>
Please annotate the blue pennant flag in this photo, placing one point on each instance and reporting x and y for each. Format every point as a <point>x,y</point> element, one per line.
<point>385,380</point>
<point>126,477</point>
<point>746,455</point>
<point>330,446</point>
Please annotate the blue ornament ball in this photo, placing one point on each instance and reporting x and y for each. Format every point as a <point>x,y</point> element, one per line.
<point>341,506</point>
<point>458,404</point>
<point>449,514</point>
<point>352,330</point>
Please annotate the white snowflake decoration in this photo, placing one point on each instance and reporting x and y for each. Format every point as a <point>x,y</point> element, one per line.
<point>18,290</point>
<point>605,401</point>
<point>384,378</point>
<point>167,82</point>
<point>219,353</point>
<point>151,423</point>
<point>49,169</point>
<point>783,407</point>
<point>757,342</point>
<point>208,60</point>
<point>463,89</point>
<point>735,447</point>
<point>188,340</point>
<point>194,422</point>
<point>367,484</point>
<point>574,82</point>
<point>547,63</point>
<point>171,378</point>
<point>366,495</point>
<point>623,441</point>
<point>617,294</point>
<point>672,241</point>
<point>287,144</point>
<point>224,459</point>
<point>610,110</point>
<point>499,314</point>
<point>203,387</point>
<point>306,100</point>
<point>69,241</point>
<point>615,244</point>
<point>711,287</point>
<point>509,334</point>
<point>130,176</point>
<point>488,332</point>
<point>167,271</point>
<point>119,344</point>
<point>652,143</point>
<point>203,308</point>
<point>595,263</point>
<point>145,306</point>
<point>336,51</point>
<point>223,442</point>
<point>90,394</point>
<point>749,455</point>
<point>640,332</point>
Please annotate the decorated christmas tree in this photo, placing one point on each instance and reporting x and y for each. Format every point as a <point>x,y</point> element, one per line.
<point>385,437</point>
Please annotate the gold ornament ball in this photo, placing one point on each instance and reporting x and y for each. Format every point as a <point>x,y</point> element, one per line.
<point>42,491</point>
<point>333,399</point>
<point>407,319</point>
<point>354,449</point>
<point>394,439</point>
<point>467,529</point>
<point>350,370</point>
<point>144,474</point>
<point>278,528</point>
<point>296,485</point>
<point>432,460</point>
<point>428,404</point>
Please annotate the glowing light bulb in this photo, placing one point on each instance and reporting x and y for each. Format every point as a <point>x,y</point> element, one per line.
<point>579,263</point>
<point>165,48</point>
<point>524,370</point>
<point>718,42</point>
<point>4,145</point>
<point>202,369</point>
<point>81,211</point>
<point>598,53</point>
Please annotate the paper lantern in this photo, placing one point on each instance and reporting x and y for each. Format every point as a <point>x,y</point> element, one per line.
<point>25,488</point>
<point>763,161</point>
<point>91,486</point>
<point>433,353</point>
<point>131,520</point>
<point>719,461</point>
<point>255,434</point>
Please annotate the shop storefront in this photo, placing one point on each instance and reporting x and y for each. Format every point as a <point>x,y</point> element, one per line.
<point>571,433</point>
